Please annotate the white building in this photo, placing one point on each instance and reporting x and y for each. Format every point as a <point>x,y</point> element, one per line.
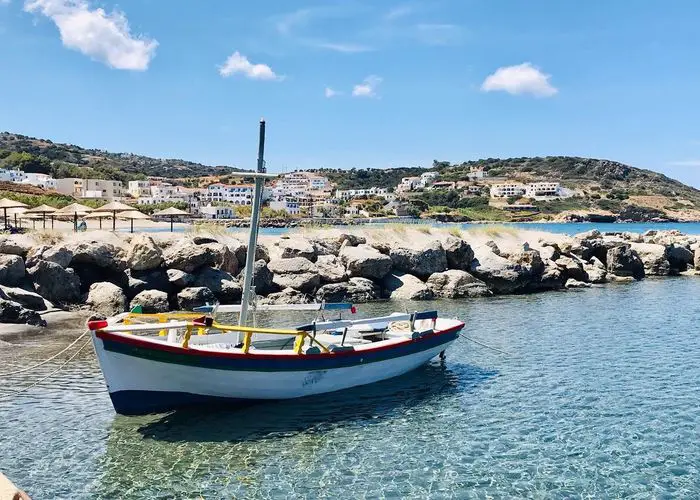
<point>44,181</point>
<point>476,173</point>
<point>139,188</point>
<point>427,178</point>
<point>288,203</point>
<point>408,184</point>
<point>508,189</point>
<point>349,194</point>
<point>10,175</point>
<point>73,186</point>
<point>238,194</point>
<point>303,181</point>
<point>544,189</point>
<point>210,212</point>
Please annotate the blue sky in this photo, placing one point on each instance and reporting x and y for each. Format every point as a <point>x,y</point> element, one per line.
<point>358,83</point>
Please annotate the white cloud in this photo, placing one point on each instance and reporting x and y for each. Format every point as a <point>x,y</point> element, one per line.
<point>368,88</point>
<point>102,36</point>
<point>346,48</point>
<point>239,64</point>
<point>399,12</point>
<point>438,34</point>
<point>520,79</point>
<point>685,163</point>
<point>329,92</point>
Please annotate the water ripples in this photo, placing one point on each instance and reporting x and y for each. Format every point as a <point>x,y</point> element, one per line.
<point>598,397</point>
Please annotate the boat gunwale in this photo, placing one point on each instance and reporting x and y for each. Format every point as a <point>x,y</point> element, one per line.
<point>157,345</point>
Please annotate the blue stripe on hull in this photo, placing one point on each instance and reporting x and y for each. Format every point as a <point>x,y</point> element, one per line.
<point>145,402</point>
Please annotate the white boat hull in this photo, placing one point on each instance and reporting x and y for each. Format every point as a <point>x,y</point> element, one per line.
<point>138,382</point>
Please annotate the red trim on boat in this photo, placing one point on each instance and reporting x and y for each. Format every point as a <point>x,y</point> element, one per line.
<point>139,342</point>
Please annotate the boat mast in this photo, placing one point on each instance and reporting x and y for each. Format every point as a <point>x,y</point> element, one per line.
<point>254,224</point>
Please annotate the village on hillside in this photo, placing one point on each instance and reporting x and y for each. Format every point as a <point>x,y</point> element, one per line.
<point>303,194</point>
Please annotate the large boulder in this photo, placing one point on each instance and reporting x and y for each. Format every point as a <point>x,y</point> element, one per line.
<point>297,247</point>
<point>241,252</point>
<point>696,260</point>
<point>90,273</point>
<point>403,286</point>
<point>106,298</point>
<point>500,274</point>
<point>143,253</point>
<point>363,261</point>
<point>151,301</point>
<point>263,279</point>
<point>552,278</point>
<point>14,246</point>
<point>572,283</point>
<point>422,262</point>
<point>623,261</point>
<point>330,269</point>
<point>679,257</point>
<point>287,296</point>
<point>13,312</point>
<point>357,290</point>
<point>188,257</point>
<point>59,254</point>
<point>455,283</point>
<point>296,272</point>
<point>96,253</point>
<point>180,279</point>
<point>54,283</point>
<point>192,297</point>
<point>595,270</point>
<point>458,252</point>
<point>529,259</point>
<point>155,279</point>
<point>653,257</point>
<point>224,286</point>
<point>572,268</point>
<point>350,239</point>
<point>11,269</point>
<point>224,258</point>
<point>27,299</point>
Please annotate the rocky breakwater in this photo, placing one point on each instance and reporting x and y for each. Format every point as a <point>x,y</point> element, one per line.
<point>162,275</point>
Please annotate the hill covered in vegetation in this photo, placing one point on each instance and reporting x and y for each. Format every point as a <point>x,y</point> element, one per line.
<point>66,160</point>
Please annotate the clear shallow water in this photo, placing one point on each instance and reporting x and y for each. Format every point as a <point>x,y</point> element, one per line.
<point>598,398</point>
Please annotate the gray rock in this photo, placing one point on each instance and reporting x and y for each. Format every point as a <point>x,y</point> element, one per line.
<point>572,283</point>
<point>224,258</point>
<point>261,253</point>
<point>188,257</point>
<point>27,299</point>
<point>352,240</point>
<point>224,286</point>
<point>180,279</point>
<point>54,283</point>
<point>263,279</point>
<point>58,254</point>
<point>623,261</point>
<point>96,253</point>
<point>297,273</point>
<point>422,262</point>
<point>363,261</point>
<point>297,247</point>
<point>528,259</point>
<point>192,297</point>
<point>106,298</point>
<point>456,283</point>
<point>143,254</point>
<point>500,274</point>
<point>203,240</point>
<point>593,234</point>
<point>287,296</point>
<point>151,301</point>
<point>330,269</point>
<point>493,246</point>
<point>549,252</point>
<point>13,312</point>
<point>357,290</point>
<point>696,259</point>
<point>11,269</point>
<point>14,246</point>
<point>571,268</point>
<point>679,257</point>
<point>653,257</point>
<point>139,281</point>
<point>403,286</point>
<point>325,246</point>
<point>552,278</point>
<point>595,273</point>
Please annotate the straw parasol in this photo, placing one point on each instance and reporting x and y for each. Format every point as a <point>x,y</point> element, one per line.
<point>171,212</point>
<point>114,207</point>
<point>43,210</point>
<point>99,215</point>
<point>131,215</point>
<point>6,203</point>
<point>17,212</point>
<point>31,217</point>
<point>73,210</point>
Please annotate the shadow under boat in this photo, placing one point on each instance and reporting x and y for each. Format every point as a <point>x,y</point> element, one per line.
<point>357,406</point>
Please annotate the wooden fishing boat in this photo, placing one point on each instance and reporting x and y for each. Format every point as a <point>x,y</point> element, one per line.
<point>159,362</point>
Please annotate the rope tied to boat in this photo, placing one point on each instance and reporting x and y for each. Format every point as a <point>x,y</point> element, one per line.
<point>24,370</point>
<point>461,336</point>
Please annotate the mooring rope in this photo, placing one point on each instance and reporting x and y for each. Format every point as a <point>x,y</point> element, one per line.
<point>24,370</point>
<point>24,389</point>
<point>484,345</point>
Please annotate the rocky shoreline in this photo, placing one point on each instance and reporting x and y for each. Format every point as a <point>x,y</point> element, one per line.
<point>111,275</point>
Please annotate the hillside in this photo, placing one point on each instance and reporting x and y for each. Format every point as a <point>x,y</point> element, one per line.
<point>66,160</point>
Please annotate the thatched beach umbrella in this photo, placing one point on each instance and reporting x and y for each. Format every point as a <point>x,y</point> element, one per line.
<point>99,216</point>
<point>74,210</point>
<point>43,210</point>
<point>31,217</point>
<point>171,212</point>
<point>17,213</point>
<point>6,203</point>
<point>131,215</point>
<point>115,207</point>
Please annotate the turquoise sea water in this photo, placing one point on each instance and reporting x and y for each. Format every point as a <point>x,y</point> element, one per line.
<point>597,397</point>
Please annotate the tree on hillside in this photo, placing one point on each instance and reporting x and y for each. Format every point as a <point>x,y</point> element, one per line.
<point>27,162</point>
